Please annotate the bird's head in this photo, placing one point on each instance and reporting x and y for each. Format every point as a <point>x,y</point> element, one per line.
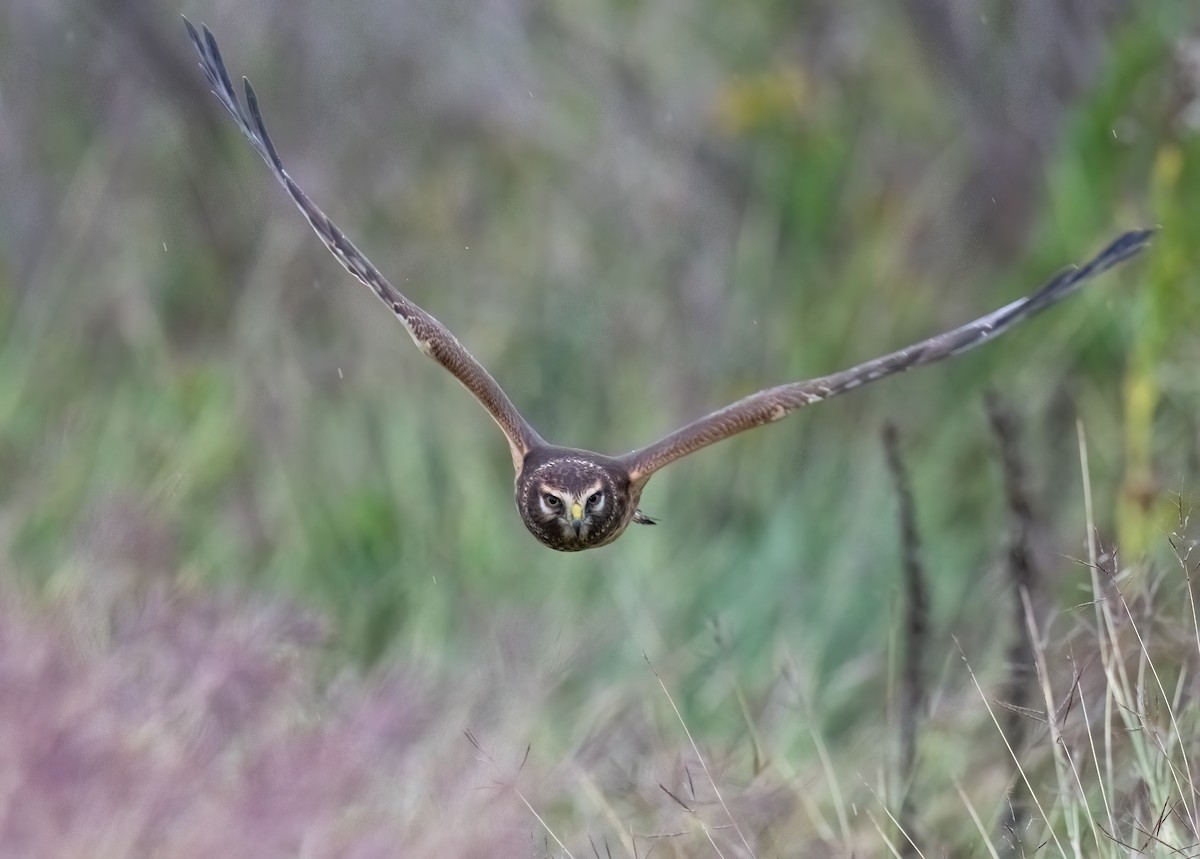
<point>574,500</point>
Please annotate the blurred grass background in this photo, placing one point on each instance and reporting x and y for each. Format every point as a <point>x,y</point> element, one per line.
<point>631,214</point>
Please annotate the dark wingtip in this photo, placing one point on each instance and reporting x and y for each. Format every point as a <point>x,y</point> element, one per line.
<point>1121,248</point>
<point>1134,240</point>
<point>218,63</point>
<point>260,127</point>
<point>191,30</point>
<point>194,35</point>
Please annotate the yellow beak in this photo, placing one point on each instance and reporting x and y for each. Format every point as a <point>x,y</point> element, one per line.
<point>576,512</point>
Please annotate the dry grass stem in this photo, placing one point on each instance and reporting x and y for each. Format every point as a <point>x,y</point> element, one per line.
<point>913,692</point>
<point>700,757</point>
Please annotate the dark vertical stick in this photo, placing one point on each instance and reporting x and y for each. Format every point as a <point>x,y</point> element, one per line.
<point>1023,572</point>
<point>916,631</point>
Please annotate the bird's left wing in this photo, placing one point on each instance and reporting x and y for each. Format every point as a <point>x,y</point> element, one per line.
<point>431,337</point>
<point>775,403</point>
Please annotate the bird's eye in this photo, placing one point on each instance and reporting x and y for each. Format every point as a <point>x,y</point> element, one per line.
<point>551,500</point>
<point>594,498</point>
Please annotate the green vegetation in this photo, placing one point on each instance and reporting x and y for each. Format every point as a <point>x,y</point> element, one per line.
<point>631,216</point>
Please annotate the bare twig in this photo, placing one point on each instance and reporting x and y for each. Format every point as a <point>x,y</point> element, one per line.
<point>916,632</point>
<point>1022,570</point>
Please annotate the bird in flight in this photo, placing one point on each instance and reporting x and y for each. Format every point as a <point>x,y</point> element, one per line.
<point>572,499</point>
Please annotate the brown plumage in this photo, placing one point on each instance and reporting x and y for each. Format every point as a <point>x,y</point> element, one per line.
<point>575,499</point>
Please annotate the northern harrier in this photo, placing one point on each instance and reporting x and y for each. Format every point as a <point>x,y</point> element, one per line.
<point>573,499</point>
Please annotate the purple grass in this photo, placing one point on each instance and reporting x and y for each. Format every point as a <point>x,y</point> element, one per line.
<point>195,729</point>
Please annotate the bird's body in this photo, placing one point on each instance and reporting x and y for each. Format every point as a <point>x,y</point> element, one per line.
<point>572,499</point>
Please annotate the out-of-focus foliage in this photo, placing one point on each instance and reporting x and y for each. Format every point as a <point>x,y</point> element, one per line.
<point>631,213</point>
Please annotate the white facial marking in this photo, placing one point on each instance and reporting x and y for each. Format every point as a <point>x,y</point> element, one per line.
<point>546,500</point>
<point>590,506</point>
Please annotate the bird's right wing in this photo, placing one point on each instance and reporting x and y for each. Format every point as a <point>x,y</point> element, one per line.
<point>431,337</point>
